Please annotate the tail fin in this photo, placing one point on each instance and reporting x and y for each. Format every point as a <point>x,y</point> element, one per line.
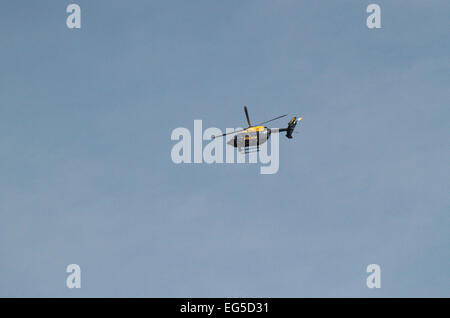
<point>291,125</point>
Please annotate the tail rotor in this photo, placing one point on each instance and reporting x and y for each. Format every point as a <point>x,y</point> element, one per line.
<point>291,126</point>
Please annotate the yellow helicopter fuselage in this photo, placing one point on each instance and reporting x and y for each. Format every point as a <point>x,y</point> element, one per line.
<point>256,135</point>
<point>250,137</point>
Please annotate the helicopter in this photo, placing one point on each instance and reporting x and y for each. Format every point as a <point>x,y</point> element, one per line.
<point>250,138</point>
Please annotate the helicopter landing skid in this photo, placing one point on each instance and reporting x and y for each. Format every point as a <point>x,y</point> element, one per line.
<point>247,150</point>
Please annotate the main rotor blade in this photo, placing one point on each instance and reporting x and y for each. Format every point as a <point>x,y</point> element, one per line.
<point>246,114</point>
<point>268,121</point>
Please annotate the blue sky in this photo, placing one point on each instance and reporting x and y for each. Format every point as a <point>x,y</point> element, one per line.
<point>86,175</point>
